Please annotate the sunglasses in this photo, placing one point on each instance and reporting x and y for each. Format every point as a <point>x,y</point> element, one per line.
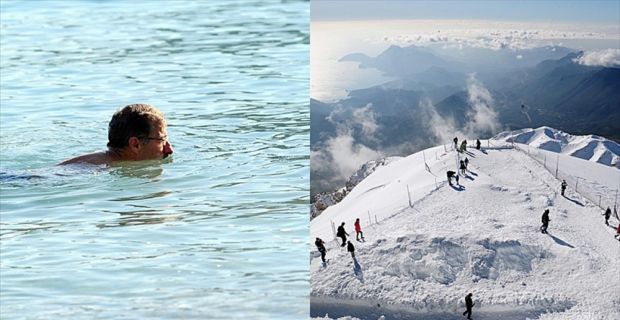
<point>164,138</point>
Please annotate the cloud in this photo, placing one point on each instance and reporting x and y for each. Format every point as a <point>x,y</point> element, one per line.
<point>481,120</point>
<point>442,128</point>
<point>491,34</point>
<point>365,118</point>
<point>343,155</point>
<point>603,58</point>
<point>482,117</point>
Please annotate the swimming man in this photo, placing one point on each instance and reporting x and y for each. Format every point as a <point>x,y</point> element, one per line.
<point>136,132</point>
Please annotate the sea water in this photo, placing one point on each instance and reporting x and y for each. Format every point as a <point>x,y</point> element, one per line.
<point>219,231</point>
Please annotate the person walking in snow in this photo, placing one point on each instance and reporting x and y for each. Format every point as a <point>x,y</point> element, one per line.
<point>478,144</point>
<point>456,142</point>
<point>463,167</point>
<point>358,230</point>
<point>320,244</point>
<point>342,234</point>
<point>469,303</point>
<point>457,180</point>
<point>464,146</point>
<point>563,186</point>
<point>351,249</point>
<point>607,215</point>
<point>466,162</point>
<point>545,221</point>
<point>450,174</point>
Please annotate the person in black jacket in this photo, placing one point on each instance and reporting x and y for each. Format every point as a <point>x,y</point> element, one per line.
<point>545,221</point>
<point>607,215</point>
<point>351,249</point>
<point>342,234</point>
<point>478,144</point>
<point>463,167</point>
<point>320,244</point>
<point>468,304</point>
<point>563,186</point>
<point>450,174</point>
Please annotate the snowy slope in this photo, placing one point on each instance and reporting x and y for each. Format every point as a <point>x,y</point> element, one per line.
<point>324,200</point>
<point>590,147</point>
<point>419,261</point>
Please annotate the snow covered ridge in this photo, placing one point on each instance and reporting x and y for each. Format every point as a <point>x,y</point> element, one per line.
<point>428,244</point>
<point>590,147</point>
<point>325,199</point>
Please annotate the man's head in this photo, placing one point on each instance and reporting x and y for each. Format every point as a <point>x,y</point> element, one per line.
<point>138,131</point>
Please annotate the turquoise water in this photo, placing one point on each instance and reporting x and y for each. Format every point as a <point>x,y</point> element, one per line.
<point>217,232</point>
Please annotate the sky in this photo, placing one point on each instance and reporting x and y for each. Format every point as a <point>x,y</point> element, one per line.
<point>602,12</point>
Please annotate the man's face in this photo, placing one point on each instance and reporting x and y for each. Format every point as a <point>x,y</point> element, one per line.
<point>156,146</point>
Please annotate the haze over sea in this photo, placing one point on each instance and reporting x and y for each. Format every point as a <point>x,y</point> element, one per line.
<point>218,232</point>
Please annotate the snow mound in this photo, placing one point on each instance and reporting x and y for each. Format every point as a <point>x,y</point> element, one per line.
<point>442,260</point>
<point>591,147</point>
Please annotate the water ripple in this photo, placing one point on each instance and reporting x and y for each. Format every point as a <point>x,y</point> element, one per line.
<point>218,231</point>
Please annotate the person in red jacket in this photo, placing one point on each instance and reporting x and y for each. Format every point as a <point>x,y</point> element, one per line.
<point>358,230</point>
<point>617,236</point>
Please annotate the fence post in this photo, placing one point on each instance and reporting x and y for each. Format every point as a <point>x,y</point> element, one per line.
<point>333,228</point>
<point>376,219</point>
<point>545,164</point>
<point>369,220</point>
<point>576,184</point>
<point>599,200</point>
<point>557,165</point>
<point>409,195</point>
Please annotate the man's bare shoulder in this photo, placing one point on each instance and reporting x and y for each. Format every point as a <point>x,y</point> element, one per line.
<point>97,158</point>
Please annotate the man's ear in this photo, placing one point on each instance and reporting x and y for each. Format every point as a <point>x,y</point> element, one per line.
<point>134,144</point>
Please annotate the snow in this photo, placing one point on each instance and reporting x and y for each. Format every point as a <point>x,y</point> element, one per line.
<point>326,199</point>
<point>590,147</point>
<point>428,244</point>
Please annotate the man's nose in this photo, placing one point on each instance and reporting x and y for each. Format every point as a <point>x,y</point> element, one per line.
<point>168,148</point>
